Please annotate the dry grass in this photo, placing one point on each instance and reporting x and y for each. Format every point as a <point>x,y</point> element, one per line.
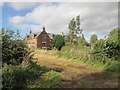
<point>76,74</point>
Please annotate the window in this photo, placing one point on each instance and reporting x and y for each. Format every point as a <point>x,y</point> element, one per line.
<point>43,36</point>
<point>43,44</point>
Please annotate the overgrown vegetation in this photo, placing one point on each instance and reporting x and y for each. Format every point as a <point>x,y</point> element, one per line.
<point>74,31</point>
<point>19,76</point>
<point>58,42</point>
<point>13,47</point>
<point>32,76</point>
<point>107,51</point>
<point>104,52</point>
<point>108,48</point>
<point>93,39</point>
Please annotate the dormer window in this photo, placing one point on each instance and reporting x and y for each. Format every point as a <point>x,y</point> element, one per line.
<point>43,36</point>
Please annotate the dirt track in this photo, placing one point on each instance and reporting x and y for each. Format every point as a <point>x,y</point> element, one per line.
<point>76,74</point>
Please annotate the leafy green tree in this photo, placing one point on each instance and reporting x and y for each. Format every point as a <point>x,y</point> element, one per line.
<point>82,42</point>
<point>58,42</point>
<point>93,38</point>
<point>107,49</point>
<point>78,23</point>
<point>112,44</point>
<point>74,30</point>
<point>13,48</point>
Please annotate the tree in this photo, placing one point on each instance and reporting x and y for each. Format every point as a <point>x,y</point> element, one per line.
<point>78,30</point>
<point>93,39</point>
<point>58,42</point>
<point>112,44</point>
<point>107,48</point>
<point>74,30</point>
<point>13,48</point>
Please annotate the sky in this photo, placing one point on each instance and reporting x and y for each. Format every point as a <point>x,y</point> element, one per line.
<point>96,17</point>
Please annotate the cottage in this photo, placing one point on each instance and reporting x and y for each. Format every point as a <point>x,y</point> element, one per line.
<point>39,40</point>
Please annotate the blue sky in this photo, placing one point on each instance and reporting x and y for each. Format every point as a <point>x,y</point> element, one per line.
<point>56,16</point>
<point>8,12</point>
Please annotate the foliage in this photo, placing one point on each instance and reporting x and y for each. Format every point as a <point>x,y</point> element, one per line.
<point>107,49</point>
<point>112,44</point>
<point>113,67</point>
<point>93,39</point>
<point>74,30</point>
<point>97,51</point>
<point>50,79</point>
<point>13,48</point>
<point>25,77</point>
<point>17,76</point>
<point>82,42</point>
<point>75,52</point>
<point>58,42</point>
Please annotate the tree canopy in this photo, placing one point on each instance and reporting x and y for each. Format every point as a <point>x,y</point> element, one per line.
<point>74,30</point>
<point>93,38</point>
<point>13,48</point>
<point>108,47</point>
<point>58,42</point>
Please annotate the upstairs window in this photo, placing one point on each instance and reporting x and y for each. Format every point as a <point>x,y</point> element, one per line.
<point>43,36</point>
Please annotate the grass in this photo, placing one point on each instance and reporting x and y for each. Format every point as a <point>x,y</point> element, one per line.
<point>76,72</point>
<point>49,79</point>
<point>82,54</point>
<point>31,76</point>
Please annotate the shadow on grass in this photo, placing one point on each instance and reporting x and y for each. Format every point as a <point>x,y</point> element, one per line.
<point>21,76</point>
<point>94,80</point>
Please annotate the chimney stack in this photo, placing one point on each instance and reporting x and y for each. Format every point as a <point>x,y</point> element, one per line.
<point>43,28</point>
<point>62,34</point>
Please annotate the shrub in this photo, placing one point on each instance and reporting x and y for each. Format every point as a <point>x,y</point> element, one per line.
<point>106,50</point>
<point>72,52</point>
<point>93,39</point>
<point>19,77</point>
<point>13,47</point>
<point>58,42</point>
<point>49,79</point>
<point>113,67</point>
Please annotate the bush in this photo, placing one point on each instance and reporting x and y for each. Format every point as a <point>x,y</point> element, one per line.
<point>113,67</point>
<point>93,39</point>
<point>13,47</point>
<point>106,50</point>
<point>49,79</point>
<point>19,77</point>
<point>32,76</point>
<point>58,42</point>
<point>74,52</point>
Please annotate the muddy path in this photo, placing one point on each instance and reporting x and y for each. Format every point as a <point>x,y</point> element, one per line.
<point>76,74</point>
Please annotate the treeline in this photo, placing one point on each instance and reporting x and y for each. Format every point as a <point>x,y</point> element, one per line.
<point>13,47</point>
<point>105,51</point>
<point>107,48</point>
<point>15,74</point>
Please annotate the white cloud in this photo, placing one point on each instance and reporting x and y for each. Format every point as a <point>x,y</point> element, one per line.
<point>22,5</point>
<point>1,4</point>
<point>99,18</point>
<point>60,0</point>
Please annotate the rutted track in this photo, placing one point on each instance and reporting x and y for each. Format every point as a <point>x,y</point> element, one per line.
<point>76,74</point>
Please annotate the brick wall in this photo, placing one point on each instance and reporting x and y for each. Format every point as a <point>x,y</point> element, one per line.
<point>43,38</point>
<point>32,43</point>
